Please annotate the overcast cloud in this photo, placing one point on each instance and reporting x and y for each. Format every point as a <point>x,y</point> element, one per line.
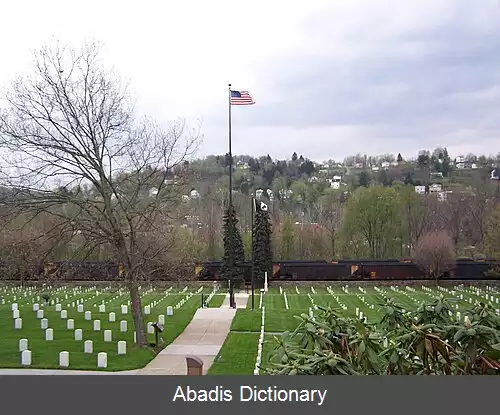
<point>330,78</point>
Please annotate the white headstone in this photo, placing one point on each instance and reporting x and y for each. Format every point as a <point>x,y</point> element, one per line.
<point>161,319</point>
<point>58,307</point>
<point>170,311</point>
<point>14,306</point>
<point>102,308</point>
<point>78,334</point>
<point>23,345</point>
<point>18,323</point>
<point>70,324</point>
<point>112,317</point>
<point>102,360</point>
<point>124,309</point>
<point>80,308</point>
<point>49,334</point>
<point>36,307</point>
<point>88,346</point>
<point>123,326</point>
<point>88,315</point>
<point>64,314</point>
<point>147,310</point>
<point>151,329</point>
<point>64,359</point>
<point>44,324</point>
<point>97,325</point>
<point>135,337</point>
<point>39,314</point>
<point>26,358</point>
<point>107,336</point>
<point>16,314</point>
<point>122,347</point>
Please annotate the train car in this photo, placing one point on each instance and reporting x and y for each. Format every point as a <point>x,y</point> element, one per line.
<point>317,271</point>
<point>387,271</point>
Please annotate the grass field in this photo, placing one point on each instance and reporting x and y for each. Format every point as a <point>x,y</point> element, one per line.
<point>238,354</point>
<point>45,354</point>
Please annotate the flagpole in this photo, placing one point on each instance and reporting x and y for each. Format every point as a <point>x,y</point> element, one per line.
<point>251,233</point>
<point>230,155</point>
<point>231,296</point>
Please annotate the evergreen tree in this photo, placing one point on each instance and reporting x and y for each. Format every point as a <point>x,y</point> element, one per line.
<point>400,158</point>
<point>234,253</point>
<point>262,252</point>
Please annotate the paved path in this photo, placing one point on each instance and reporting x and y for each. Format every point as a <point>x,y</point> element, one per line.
<point>203,337</point>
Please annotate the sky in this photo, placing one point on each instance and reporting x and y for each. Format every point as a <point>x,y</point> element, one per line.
<point>330,78</point>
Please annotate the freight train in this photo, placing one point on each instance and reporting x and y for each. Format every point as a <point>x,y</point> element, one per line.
<point>359,270</point>
<point>342,270</point>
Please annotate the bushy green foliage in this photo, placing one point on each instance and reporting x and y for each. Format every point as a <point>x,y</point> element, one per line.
<point>262,252</point>
<point>234,253</point>
<point>426,341</point>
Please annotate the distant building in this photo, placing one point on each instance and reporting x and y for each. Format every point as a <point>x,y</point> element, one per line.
<point>420,190</point>
<point>495,174</point>
<point>335,182</point>
<point>435,188</point>
<point>385,164</point>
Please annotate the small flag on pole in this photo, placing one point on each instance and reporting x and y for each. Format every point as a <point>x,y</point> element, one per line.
<point>259,206</point>
<point>241,98</point>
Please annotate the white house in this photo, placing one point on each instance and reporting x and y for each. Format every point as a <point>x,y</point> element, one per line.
<point>335,182</point>
<point>385,164</point>
<point>460,162</point>
<point>435,188</point>
<point>420,190</point>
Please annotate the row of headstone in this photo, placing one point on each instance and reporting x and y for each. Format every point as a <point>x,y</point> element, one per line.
<point>258,360</point>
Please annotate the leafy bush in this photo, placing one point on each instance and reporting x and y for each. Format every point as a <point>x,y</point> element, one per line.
<point>426,341</point>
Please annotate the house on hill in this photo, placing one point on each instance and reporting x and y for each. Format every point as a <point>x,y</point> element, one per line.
<point>495,174</point>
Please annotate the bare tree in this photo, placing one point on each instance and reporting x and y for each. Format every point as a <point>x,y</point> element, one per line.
<point>71,126</point>
<point>332,208</point>
<point>434,252</point>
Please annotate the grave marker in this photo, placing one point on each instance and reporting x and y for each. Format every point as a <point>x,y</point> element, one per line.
<point>112,317</point>
<point>49,335</point>
<point>64,359</point>
<point>64,314</point>
<point>88,346</point>
<point>97,325</point>
<point>88,315</point>
<point>70,324</point>
<point>123,326</point>
<point>102,360</point>
<point>26,358</point>
<point>78,335</point>
<point>23,345</point>
<point>107,336</point>
<point>122,347</point>
<point>39,314</point>
<point>44,324</point>
<point>18,323</point>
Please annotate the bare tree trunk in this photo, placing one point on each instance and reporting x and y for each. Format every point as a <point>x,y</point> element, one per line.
<point>135,301</point>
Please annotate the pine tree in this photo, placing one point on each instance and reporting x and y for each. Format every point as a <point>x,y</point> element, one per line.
<point>262,252</point>
<point>234,253</point>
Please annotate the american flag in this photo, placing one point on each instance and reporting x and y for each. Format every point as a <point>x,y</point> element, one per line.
<point>241,98</point>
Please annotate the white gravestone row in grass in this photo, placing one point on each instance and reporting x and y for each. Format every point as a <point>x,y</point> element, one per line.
<point>209,298</point>
<point>44,324</point>
<point>170,311</point>
<point>297,290</point>
<point>286,300</point>
<point>18,323</point>
<point>258,360</point>
<point>97,325</point>
<point>70,324</point>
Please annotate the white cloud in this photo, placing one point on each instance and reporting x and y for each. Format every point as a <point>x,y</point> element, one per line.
<point>379,57</point>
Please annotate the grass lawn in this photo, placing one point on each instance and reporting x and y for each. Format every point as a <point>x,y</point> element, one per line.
<point>239,352</point>
<point>45,354</point>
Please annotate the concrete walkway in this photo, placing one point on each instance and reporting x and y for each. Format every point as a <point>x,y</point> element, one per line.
<point>203,337</point>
